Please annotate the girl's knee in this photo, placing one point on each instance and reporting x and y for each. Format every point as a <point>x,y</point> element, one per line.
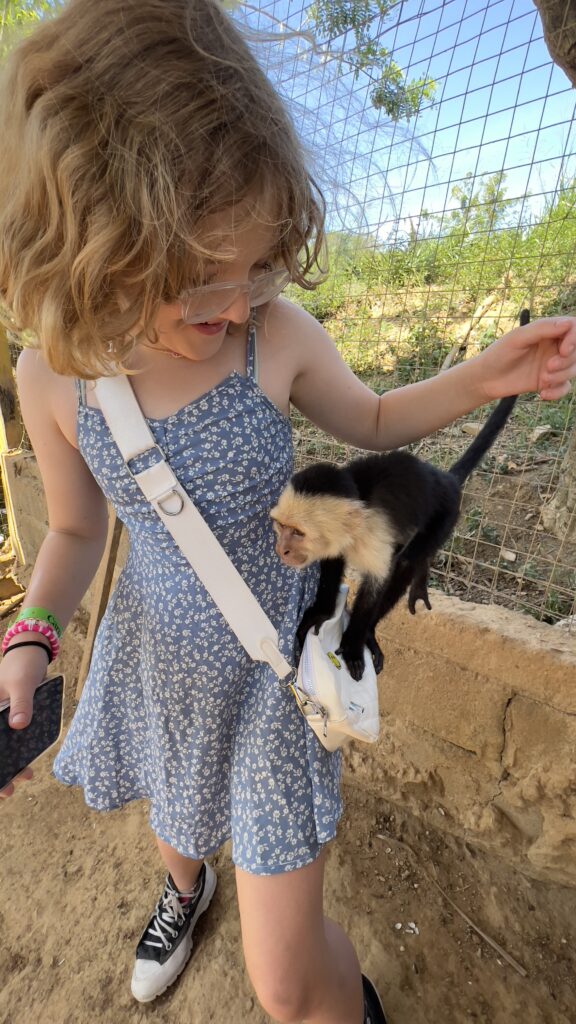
<point>284,939</point>
<point>284,997</point>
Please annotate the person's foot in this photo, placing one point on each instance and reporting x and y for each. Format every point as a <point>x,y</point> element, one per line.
<point>166,945</point>
<point>373,1011</point>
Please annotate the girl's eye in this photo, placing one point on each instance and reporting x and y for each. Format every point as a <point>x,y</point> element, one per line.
<point>258,269</point>
<point>262,268</point>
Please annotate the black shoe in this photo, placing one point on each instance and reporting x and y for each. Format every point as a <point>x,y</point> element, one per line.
<point>373,1011</point>
<point>166,945</point>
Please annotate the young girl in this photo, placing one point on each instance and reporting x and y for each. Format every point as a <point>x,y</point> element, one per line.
<point>154,205</point>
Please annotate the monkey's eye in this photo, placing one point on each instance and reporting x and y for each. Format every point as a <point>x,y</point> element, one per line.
<point>297,533</point>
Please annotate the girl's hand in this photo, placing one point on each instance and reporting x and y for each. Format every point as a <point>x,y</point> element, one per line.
<point>20,673</point>
<point>9,789</point>
<point>539,357</point>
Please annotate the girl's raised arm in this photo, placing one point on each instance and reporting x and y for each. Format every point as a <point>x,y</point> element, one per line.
<point>540,357</point>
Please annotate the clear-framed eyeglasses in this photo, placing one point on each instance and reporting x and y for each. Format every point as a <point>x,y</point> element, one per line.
<point>201,304</point>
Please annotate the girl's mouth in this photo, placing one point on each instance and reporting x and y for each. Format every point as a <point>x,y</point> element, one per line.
<point>208,328</point>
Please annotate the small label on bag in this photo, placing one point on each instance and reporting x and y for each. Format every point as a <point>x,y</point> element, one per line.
<point>356,707</point>
<point>335,661</point>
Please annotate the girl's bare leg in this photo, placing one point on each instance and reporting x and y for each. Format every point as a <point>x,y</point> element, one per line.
<point>184,871</point>
<point>166,943</point>
<point>302,965</point>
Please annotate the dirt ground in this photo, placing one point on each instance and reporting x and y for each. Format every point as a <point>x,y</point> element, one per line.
<point>78,887</point>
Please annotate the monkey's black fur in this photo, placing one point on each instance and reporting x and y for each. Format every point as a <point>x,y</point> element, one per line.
<point>421,502</point>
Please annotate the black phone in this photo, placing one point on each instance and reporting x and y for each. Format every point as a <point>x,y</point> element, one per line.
<point>20,747</point>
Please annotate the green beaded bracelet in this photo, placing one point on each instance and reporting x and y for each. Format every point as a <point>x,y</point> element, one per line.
<point>44,615</point>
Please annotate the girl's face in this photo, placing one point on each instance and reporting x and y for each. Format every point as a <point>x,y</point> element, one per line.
<point>251,246</point>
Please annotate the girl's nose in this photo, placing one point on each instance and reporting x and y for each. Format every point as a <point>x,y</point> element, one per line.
<point>239,310</point>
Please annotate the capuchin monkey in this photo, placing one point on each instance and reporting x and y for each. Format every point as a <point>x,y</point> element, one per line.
<point>384,515</point>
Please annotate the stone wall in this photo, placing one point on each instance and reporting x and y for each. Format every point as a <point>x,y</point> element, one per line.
<point>478,709</point>
<point>478,712</point>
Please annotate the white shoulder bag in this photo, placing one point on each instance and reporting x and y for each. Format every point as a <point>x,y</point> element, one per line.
<point>336,706</point>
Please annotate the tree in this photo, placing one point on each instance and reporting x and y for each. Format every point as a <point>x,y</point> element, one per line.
<point>329,19</point>
<point>558,19</point>
<point>390,91</point>
<point>18,16</point>
<point>559,23</point>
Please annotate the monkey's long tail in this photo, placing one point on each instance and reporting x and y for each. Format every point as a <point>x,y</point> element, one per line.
<point>485,439</point>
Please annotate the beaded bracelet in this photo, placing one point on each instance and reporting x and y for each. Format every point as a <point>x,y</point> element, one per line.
<point>32,626</point>
<point>43,615</point>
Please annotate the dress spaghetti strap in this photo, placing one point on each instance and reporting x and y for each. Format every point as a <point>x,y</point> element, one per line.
<point>80,390</point>
<point>252,354</point>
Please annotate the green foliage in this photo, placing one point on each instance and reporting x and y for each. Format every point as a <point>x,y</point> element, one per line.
<point>490,534</point>
<point>331,19</point>
<point>334,17</point>
<point>557,605</point>
<point>18,17</point>
<point>476,240</point>
<point>476,247</point>
<point>486,338</point>
<point>22,12</point>
<point>422,352</point>
<point>480,242</point>
<point>549,247</point>
<point>345,254</point>
<point>324,302</point>
<point>472,521</point>
<point>399,99</point>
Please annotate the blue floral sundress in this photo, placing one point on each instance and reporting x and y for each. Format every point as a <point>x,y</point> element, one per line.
<point>173,709</point>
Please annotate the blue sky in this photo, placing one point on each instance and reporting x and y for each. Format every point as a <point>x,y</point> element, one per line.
<point>500,104</point>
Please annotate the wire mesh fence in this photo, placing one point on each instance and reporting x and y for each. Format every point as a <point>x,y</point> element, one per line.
<point>442,226</point>
<point>443,137</point>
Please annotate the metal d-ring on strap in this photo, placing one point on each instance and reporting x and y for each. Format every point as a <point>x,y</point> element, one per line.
<point>188,528</point>
<point>166,497</point>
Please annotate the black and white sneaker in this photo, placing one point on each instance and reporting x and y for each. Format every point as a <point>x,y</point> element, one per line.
<point>166,945</point>
<point>373,1010</point>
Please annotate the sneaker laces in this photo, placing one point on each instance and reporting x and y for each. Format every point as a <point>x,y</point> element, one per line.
<point>169,912</point>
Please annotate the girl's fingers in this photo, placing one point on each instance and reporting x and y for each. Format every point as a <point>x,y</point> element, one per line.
<point>567,346</point>
<point>552,327</point>
<point>554,378</point>
<point>8,790</point>
<point>550,394</point>
<point>562,359</point>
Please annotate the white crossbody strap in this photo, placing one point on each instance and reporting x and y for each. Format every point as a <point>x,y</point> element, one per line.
<point>188,528</point>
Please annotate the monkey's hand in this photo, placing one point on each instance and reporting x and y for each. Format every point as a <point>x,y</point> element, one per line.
<point>353,653</point>
<point>313,618</point>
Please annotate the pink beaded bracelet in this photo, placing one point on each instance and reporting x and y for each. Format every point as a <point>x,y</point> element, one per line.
<point>32,626</point>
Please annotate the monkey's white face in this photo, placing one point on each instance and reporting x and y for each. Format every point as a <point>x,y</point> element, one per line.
<point>291,546</point>
<point>311,527</point>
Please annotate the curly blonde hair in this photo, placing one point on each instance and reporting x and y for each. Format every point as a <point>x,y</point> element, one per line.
<point>125,125</point>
